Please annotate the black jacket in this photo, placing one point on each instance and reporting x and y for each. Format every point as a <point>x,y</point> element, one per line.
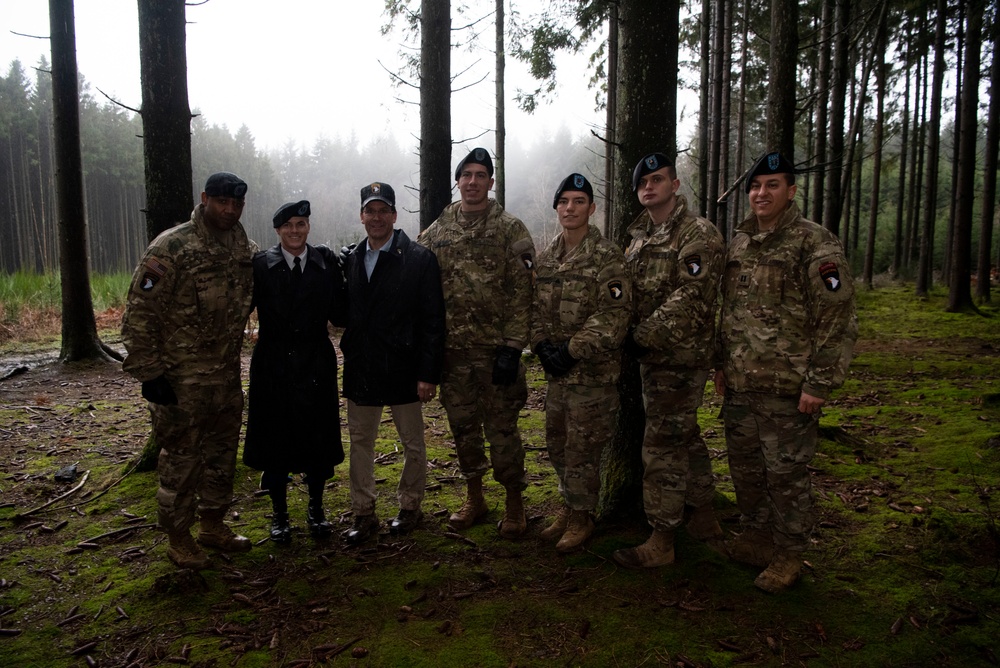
<point>293,420</point>
<point>395,324</point>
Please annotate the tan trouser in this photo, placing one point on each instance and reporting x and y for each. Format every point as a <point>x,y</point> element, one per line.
<point>362,425</point>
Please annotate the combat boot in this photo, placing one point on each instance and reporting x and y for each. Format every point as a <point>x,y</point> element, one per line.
<point>281,530</point>
<point>703,525</point>
<point>316,518</point>
<point>781,573</point>
<point>578,529</point>
<point>185,553</point>
<point>555,530</point>
<point>215,533</point>
<point>474,508</point>
<point>658,550</point>
<point>514,522</point>
<point>753,546</point>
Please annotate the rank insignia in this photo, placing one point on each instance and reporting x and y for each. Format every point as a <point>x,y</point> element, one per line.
<point>693,263</point>
<point>830,275</point>
<point>615,289</point>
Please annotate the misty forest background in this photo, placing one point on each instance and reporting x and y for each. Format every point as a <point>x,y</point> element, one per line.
<point>893,61</point>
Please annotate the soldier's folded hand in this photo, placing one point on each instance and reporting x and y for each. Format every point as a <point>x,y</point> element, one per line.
<point>505,365</point>
<point>159,391</point>
<point>560,362</point>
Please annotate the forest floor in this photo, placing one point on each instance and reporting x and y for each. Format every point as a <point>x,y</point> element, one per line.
<point>902,570</point>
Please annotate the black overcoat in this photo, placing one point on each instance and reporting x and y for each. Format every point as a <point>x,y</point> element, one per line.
<point>293,422</point>
<point>395,324</point>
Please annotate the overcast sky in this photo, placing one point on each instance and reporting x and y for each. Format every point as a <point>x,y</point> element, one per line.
<point>298,69</point>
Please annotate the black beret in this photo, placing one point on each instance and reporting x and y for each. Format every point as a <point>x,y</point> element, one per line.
<point>288,211</point>
<point>576,182</point>
<point>772,163</point>
<point>648,165</point>
<point>479,156</point>
<point>378,191</point>
<point>225,184</point>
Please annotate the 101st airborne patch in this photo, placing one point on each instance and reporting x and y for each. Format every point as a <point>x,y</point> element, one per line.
<point>693,263</point>
<point>615,289</point>
<point>830,275</point>
<point>154,270</point>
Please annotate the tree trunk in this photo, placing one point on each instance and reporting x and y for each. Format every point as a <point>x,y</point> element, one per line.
<point>989,172</point>
<point>897,236</point>
<point>610,122</point>
<point>435,109</point>
<point>960,293</point>
<point>715,118</point>
<point>500,165</point>
<point>873,209</point>
<point>917,159</point>
<point>646,122</point>
<point>782,76</point>
<point>925,263</point>
<point>79,328</point>
<point>166,116</point>
<point>949,237</point>
<point>725,113</point>
<point>705,45</point>
<point>839,76</point>
<point>741,123</point>
<point>822,108</point>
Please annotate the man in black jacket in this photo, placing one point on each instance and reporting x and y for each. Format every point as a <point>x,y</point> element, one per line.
<point>393,348</point>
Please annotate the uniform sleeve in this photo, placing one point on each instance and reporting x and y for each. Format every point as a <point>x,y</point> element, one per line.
<point>518,286</point>
<point>431,325</point>
<point>143,325</point>
<point>692,304</point>
<point>605,329</point>
<point>833,318</point>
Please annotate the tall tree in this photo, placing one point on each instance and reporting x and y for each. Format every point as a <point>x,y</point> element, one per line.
<point>646,122</point>
<point>704,46</point>
<point>989,168</point>
<point>79,327</point>
<point>166,116</point>
<point>925,262</point>
<point>873,209</point>
<point>839,76</point>
<point>822,103</point>
<point>897,237</point>
<point>435,109</point>
<point>500,151</point>
<point>782,77</point>
<point>715,117</point>
<point>960,292</point>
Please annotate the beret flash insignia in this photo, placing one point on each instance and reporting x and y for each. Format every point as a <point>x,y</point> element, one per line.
<point>480,154</point>
<point>830,275</point>
<point>652,163</point>
<point>578,180</point>
<point>772,161</point>
<point>693,263</point>
<point>615,289</point>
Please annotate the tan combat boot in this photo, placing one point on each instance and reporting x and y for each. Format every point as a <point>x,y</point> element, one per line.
<point>474,508</point>
<point>781,573</point>
<point>658,550</point>
<point>753,546</point>
<point>514,522</point>
<point>578,529</point>
<point>555,530</point>
<point>215,533</point>
<point>185,553</point>
<point>703,525</point>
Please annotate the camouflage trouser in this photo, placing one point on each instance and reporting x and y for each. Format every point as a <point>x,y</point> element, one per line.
<point>198,439</point>
<point>677,468</point>
<point>578,424</point>
<point>770,444</point>
<point>475,407</point>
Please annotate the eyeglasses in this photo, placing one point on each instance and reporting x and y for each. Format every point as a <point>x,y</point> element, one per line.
<point>374,213</point>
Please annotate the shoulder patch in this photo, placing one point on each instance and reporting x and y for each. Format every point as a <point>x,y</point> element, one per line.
<point>528,261</point>
<point>693,263</point>
<point>152,271</point>
<point>615,289</point>
<point>830,275</point>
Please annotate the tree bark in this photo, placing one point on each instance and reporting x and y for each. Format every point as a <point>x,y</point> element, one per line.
<point>873,209</point>
<point>166,116</point>
<point>989,172</point>
<point>960,292</point>
<point>500,164</point>
<point>897,237</point>
<point>949,237</point>
<point>838,94</point>
<point>822,108</point>
<point>611,123</point>
<point>646,122</point>
<point>782,76</point>
<point>715,118</point>
<point>435,109</point>
<point>925,263</point>
<point>79,327</point>
<point>705,46</point>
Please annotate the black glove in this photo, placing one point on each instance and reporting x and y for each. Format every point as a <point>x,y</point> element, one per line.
<point>632,347</point>
<point>560,362</point>
<point>505,365</point>
<point>545,350</point>
<point>344,252</point>
<point>158,391</point>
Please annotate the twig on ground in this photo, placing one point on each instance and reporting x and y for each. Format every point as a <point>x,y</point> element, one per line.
<point>27,513</point>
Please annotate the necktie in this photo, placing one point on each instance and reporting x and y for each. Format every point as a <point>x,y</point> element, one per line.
<point>296,273</point>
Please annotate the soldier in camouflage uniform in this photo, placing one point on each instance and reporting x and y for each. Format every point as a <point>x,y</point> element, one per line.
<point>674,263</point>
<point>786,338</point>
<point>487,263</point>
<point>580,316</point>
<point>183,329</point>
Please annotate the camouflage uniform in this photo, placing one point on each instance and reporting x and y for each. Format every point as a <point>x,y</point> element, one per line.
<point>184,319</point>
<point>788,326</point>
<point>582,298</point>
<point>487,264</point>
<point>674,270</point>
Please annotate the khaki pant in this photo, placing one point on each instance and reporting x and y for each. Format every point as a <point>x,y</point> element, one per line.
<point>198,439</point>
<point>362,425</point>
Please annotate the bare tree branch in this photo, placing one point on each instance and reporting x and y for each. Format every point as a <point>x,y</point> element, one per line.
<point>124,106</point>
<point>397,78</point>
<point>21,34</point>
<point>456,90</point>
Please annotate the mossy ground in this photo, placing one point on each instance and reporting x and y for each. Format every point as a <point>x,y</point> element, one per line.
<point>902,571</point>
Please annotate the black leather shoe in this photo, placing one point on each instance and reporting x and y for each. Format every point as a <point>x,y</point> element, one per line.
<point>316,518</point>
<point>281,531</point>
<point>406,521</point>
<point>365,527</point>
